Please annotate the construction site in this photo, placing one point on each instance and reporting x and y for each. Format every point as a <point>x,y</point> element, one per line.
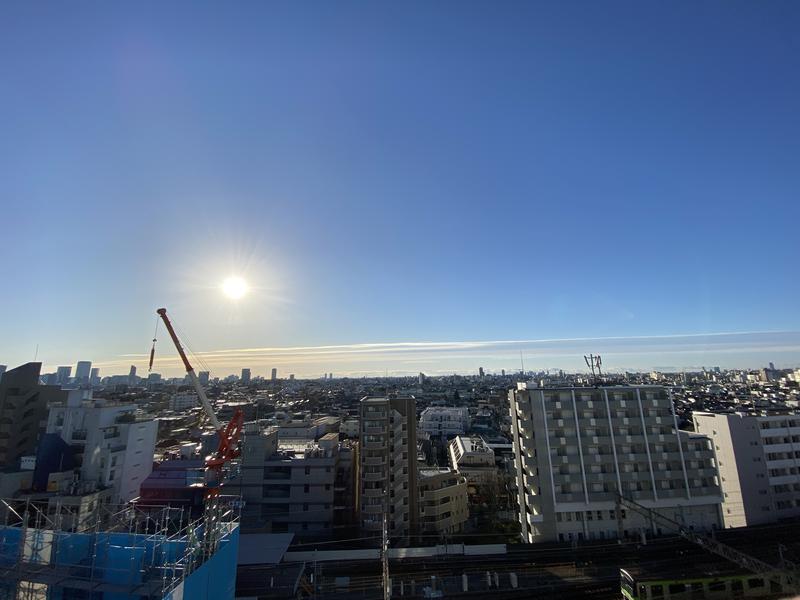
<point>128,553</point>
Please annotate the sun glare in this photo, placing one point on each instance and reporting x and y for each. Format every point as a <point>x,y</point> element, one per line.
<point>234,287</point>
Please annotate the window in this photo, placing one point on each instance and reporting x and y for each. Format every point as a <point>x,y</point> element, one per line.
<point>308,470</point>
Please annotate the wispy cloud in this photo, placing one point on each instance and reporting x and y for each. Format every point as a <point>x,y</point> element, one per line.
<point>640,351</point>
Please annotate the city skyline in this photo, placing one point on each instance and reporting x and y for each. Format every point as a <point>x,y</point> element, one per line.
<point>378,174</point>
<point>690,352</point>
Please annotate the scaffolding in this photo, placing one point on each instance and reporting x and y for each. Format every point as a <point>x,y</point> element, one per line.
<point>127,552</point>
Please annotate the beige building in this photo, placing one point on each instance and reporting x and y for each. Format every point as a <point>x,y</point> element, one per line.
<point>576,449</point>
<point>388,470</point>
<point>443,505</point>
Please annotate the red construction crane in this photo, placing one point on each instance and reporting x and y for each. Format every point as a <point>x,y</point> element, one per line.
<point>228,435</point>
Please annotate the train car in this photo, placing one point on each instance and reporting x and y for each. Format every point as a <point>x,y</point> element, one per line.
<point>696,582</point>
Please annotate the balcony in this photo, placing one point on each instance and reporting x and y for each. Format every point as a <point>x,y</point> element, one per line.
<point>374,460</point>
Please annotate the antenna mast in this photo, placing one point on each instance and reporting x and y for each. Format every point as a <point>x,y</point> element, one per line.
<point>594,362</point>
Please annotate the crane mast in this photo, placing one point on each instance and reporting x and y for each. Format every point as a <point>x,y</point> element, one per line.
<point>162,312</point>
<point>228,435</point>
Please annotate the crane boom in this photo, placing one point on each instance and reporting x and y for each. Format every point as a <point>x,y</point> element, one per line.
<point>162,312</point>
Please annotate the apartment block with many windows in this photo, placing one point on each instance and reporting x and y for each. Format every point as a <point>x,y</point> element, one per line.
<point>758,458</point>
<point>576,449</point>
<point>388,470</point>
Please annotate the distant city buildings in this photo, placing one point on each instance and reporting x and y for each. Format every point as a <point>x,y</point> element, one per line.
<point>274,374</point>
<point>83,371</point>
<point>245,377</point>
<point>63,375</point>
<point>576,449</point>
<point>203,377</point>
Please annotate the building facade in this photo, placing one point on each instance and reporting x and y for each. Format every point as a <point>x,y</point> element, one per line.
<point>388,465</point>
<point>443,505</point>
<point>114,448</point>
<point>576,449</point>
<point>294,486</point>
<point>758,457</point>
<point>23,406</point>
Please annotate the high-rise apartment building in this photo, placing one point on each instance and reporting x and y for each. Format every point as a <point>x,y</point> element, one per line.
<point>23,406</point>
<point>758,457</point>
<point>245,378</point>
<point>274,374</point>
<point>203,377</point>
<point>94,377</point>
<point>389,465</point>
<point>576,449</point>
<point>83,371</point>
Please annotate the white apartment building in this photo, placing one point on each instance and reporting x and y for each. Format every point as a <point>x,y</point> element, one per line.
<point>576,449</point>
<point>758,457</point>
<point>388,465</point>
<point>474,459</point>
<point>183,401</point>
<point>115,447</point>
<point>444,421</point>
<point>443,506</point>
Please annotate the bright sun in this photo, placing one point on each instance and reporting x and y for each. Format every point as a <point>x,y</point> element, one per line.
<point>234,287</point>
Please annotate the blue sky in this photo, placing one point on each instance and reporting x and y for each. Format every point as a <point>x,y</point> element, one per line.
<point>400,173</point>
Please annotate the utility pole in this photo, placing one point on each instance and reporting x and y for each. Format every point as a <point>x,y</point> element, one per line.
<point>387,589</point>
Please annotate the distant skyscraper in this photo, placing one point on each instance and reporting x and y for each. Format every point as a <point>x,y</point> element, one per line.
<point>421,379</point>
<point>291,377</point>
<point>245,379</point>
<point>83,371</point>
<point>274,374</point>
<point>62,375</point>
<point>772,366</point>
<point>202,376</point>
<point>132,375</point>
<point>94,376</point>
<point>2,370</point>
<point>480,372</point>
<point>503,372</point>
<point>330,375</point>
